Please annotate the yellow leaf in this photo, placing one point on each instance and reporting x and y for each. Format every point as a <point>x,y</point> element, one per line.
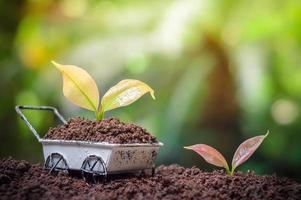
<point>124,93</point>
<point>79,87</point>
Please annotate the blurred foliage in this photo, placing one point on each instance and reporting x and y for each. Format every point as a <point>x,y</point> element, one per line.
<point>222,71</point>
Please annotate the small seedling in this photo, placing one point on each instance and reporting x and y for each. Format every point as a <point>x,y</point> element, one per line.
<point>80,88</point>
<point>242,154</point>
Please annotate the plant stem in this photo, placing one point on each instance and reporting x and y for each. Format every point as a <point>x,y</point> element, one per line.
<point>232,171</point>
<point>99,114</point>
<point>228,172</point>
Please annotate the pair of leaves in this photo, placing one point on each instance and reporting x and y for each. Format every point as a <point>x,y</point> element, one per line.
<point>80,88</point>
<point>242,154</point>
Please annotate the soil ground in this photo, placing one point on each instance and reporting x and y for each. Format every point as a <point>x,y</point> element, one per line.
<point>107,130</point>
<point>21,180</point>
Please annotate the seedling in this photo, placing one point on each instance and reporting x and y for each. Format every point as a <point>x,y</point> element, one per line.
<point>80,88</point>
<point>242,154</point>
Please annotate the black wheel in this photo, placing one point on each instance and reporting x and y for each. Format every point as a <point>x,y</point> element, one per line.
<point>94,169</point>
<point>55,163</point>
<point>150,171</point>
<point>153,170</point>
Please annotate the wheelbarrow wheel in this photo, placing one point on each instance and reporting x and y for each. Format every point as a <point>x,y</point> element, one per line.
<point>94,169</point>
<point>56,163</point>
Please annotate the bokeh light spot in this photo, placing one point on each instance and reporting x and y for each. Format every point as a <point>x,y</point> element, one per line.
<point>284,111</point>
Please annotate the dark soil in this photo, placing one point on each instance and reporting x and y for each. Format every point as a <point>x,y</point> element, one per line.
<point>108,130</point>
<point>20,180</point>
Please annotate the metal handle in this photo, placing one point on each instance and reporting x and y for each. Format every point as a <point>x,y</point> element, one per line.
<point>26,107</point>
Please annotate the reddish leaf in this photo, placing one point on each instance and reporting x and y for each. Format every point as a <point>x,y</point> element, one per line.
<point>246,149</point>
<point>210,154</point>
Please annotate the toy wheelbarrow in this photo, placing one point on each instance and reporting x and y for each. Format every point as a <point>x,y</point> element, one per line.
<point>93,159</point>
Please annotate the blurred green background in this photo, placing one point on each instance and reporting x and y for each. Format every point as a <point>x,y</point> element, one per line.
<point>223,71</point>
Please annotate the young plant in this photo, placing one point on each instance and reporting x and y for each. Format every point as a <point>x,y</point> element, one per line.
<point>242,154</point>
<point>80,88</point>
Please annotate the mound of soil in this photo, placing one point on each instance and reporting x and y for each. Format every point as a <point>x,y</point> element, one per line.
<point>108,130</point>
<point>20,180</point>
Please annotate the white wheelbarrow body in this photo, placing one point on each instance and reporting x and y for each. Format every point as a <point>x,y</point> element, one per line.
<point>96,158</point>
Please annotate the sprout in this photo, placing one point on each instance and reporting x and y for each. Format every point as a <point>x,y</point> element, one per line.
<point>242,154</point>
<point>80,88</point>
